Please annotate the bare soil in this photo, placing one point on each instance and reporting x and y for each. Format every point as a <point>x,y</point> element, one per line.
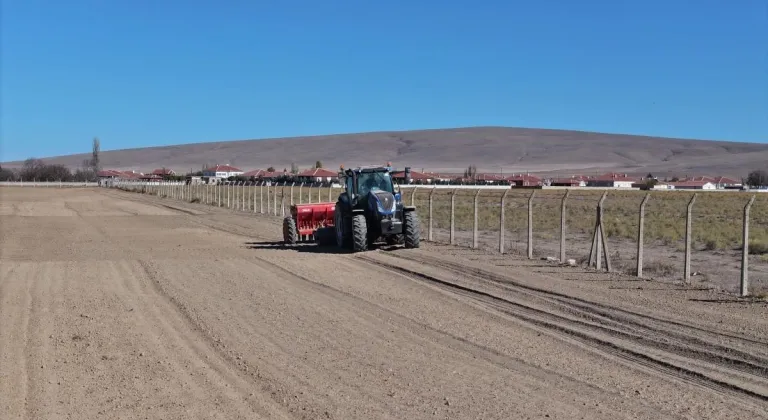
<point>122,305</point>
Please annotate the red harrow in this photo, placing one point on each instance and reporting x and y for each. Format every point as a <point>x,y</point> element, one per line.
<point>309,222</point>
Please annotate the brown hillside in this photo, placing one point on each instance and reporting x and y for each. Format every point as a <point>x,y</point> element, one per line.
<point>450,150</point>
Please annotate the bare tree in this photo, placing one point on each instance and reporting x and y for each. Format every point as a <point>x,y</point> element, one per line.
<point>95,158</point>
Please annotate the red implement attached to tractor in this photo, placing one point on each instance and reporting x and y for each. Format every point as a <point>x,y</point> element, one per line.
<point>312,221</point>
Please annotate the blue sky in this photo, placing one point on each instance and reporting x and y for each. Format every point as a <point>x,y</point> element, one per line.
<point>140,73</point>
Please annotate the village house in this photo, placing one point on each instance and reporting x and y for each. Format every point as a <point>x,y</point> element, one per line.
<point>612,180</point>
<point>164,172</point>
<point>255,174</point>
<point>567,182</point>
<point>524,180</point>
<point>693,185</point>
<point>317,175</point>
<point>221,171</point>
<point>416,177</point>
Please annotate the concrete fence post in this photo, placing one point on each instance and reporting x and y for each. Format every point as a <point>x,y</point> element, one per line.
<point>744,283</point>
<point>502,221</point>
<point>413,196</point>
<point>274,203</point>
<point>301,187</point>
<point>291,200</point>
<point>431,193</point>
<point>453,217</point>
<point>530,225</point>
<point>563,215</point>
<point>474,225</point>
<point>319,190</point>
<point>268,201</point>
<point>599,243</point>
<point>261,198</point>
<point>688,234</point>
<point>641,235</point>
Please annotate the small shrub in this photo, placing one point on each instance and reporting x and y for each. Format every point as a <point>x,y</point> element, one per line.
<point>758,247</point>
<point>195,200</point>
<point>659,268</point>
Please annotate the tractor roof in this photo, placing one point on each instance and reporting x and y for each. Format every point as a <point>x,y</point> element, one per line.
<point>372,168</point>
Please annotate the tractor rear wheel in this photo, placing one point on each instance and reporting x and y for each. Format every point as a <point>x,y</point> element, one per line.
<point>412,230</point>
<point>359,233</point>
<point>290,233</point>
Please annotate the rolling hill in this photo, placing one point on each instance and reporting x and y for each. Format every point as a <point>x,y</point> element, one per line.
<point>491,149</point>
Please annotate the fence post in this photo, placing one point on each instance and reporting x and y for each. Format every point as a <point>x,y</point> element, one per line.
<point>274,212</point>
<point>688,233</point>
<point>562,225</point>
<point>530,225</point>
<point>599,242</point>
<point>268,202</point>
<point>431,193</point>
<point>330,192</point>
<point>413,196</point>
<point>301,187</point>
<point>261,198</point>
<point>319,190</point>
<point>291,200</point>
<point>453,217</point>
<point>474,226</point>
<point>502,221</point>
<point>640,235</point>
<point>744,284</point>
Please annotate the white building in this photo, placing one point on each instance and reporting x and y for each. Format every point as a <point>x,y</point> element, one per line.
<point>222,171</point>
<point>693,185</point>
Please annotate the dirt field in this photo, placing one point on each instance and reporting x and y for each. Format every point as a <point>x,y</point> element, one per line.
<point>122,305</point>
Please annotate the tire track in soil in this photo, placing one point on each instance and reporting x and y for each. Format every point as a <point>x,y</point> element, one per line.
<point>180,331</point>
<point>621,318</point>
<point>558,325</point>
<point>421,331</point>
<point>164,307</point>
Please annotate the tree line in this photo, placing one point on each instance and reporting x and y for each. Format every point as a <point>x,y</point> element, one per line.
<point>35,169</point>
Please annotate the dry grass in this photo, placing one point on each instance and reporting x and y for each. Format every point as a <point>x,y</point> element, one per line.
<point>716,216</point>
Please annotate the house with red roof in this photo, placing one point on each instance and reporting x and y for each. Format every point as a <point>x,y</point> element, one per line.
<point>164,172</point>
<point>222,171</point>
<point>316,175</point>
<point>524,180</point>
<point>693,185</point>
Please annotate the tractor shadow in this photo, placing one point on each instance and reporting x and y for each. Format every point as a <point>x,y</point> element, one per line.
<point>313,248</point>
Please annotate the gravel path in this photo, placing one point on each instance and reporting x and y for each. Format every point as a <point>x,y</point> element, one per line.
<point>120,305</point>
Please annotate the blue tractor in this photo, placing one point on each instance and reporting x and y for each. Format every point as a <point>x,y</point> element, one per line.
<point>371,209</point>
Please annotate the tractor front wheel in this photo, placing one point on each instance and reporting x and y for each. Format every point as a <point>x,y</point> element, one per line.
<point>359,233</point>
<point>290,233</point>
<point>412,230</point>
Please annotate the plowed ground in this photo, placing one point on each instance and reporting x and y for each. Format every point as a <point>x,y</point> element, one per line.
<point>120,305</point>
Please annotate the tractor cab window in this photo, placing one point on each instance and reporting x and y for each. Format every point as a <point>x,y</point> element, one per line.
<point>374,182</point>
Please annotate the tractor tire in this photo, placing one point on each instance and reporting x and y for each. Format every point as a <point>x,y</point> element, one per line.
<point>359,233</point>
<point>412,230</point>
<point>341,229</point>
<point>325,236</point>
<point>290,233</point>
